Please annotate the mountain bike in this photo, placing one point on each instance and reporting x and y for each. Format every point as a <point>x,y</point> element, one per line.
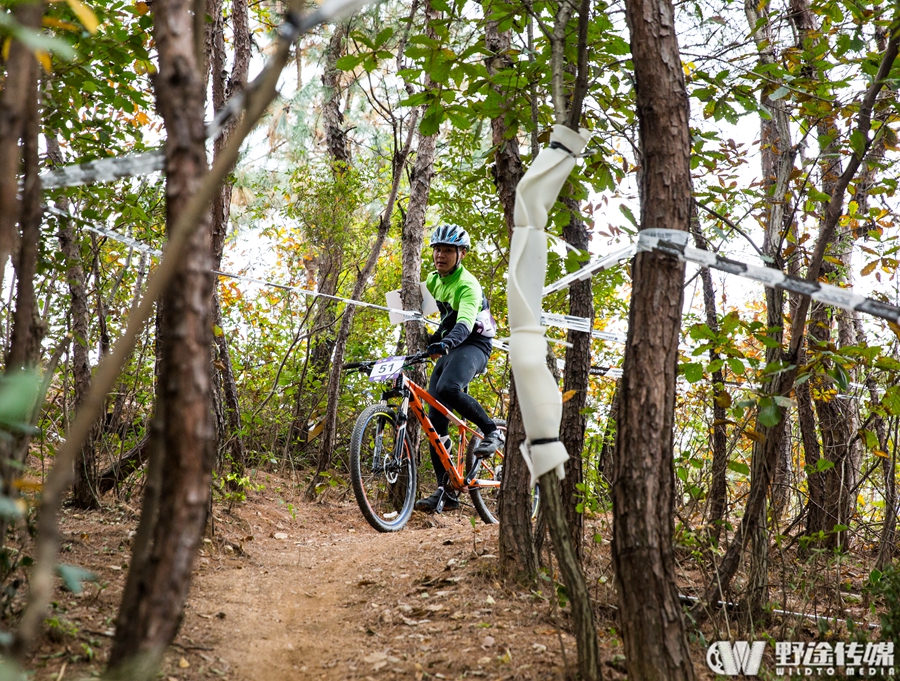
<point>382,460</point>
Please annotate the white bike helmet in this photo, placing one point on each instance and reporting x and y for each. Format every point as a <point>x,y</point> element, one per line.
<point>450,235</point>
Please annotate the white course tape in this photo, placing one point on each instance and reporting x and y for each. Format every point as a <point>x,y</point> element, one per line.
<point>109,233</point>
<point>674,242</point>
<point>592,268</point>
<point>135,165</point>
<point>105,170</point>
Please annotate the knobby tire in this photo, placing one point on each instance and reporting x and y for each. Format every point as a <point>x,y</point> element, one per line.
<point>385,488</point>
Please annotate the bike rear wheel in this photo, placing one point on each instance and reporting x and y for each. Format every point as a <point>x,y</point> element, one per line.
<point>486,499</point>
<point>383,481</point>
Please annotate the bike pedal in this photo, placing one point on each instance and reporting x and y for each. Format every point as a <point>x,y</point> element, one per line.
<point>474,472</point>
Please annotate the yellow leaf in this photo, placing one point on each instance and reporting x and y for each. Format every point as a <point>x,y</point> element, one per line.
<point>51,22</point>
<point>723,399</point>
<point>868,269</point>
<point>142,7</point>
<point>895,328</point>
<point>27,485</point>
<point>878,452</point>
<point>755,435</point>
<point>44,59</point>
<point>183,663</point>
<point>5,51</point>
<point>568,395</point>
<point>85,15</point>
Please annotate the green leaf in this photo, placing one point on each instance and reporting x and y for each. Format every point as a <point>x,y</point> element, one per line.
<point>349,62</point>
<point>870,440</point>
<point>693,371</point>
<point>736,365</point>
<point>779,94</point>
<point>887,364</point>
<point>18,394</point>
<point>626,211</point>
<point>702,332</point>
<point>739,467</point>
<point>74,576</point>
<point>891,400</point>
<point>769,413</point>
<point>383,36</point>
<point>823,465</point>
<point>858,143</point>
<point>841,377</point>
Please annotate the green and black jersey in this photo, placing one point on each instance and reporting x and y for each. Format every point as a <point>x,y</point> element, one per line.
<point>465,316</point>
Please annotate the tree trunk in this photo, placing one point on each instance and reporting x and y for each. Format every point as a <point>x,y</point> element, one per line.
<point>518,560</point>
<point>718,489</point>
<point>653,632</point>
<point>413,234</point>
<point>329,432</point>
<point>330,261</point>
<point>222,90</point>
<point>332,117</point>
<point>84,485</point>
<point>777,162</point>
<point>21,74</point>
<point>577,377</point>
<point>183,438</point>
<point>24,349</point>
<point>784,381</point>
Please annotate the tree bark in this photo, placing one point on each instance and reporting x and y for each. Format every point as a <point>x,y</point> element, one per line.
<point>777,162</point>
<point>653,631</point>
<point>413,230</point>
<point>330,261</point>
<point>183,437</point>
<point>718,489</point>
<point>576,378</point>
<point>21,74</point>
<point>329,431</point>
<point>332,117</point>
<point>518,559</point>
<point>222,90</point>
<point>784,381</point>
<point>84,485</point>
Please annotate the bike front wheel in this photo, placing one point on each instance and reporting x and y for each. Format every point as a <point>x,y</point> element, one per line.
<point>383,474</point>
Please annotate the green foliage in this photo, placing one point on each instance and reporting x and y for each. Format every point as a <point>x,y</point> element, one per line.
<point>885,586</point>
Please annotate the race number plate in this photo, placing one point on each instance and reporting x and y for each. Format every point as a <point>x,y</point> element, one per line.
<point>386,369</point>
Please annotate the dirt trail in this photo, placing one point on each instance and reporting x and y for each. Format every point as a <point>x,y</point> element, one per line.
<point>323,596</point>
<point>310,591</point>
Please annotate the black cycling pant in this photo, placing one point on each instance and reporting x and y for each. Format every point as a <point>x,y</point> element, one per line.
<point>451,375</point>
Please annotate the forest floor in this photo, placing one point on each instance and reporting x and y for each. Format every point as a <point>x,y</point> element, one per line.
<point>291,590</point>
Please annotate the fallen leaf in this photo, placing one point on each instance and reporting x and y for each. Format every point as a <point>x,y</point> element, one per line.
<point>487,641</point>
<point>183,663</point>
<point>280,535</point>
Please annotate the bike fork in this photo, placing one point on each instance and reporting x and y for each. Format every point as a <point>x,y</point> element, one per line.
<point>402,420</point>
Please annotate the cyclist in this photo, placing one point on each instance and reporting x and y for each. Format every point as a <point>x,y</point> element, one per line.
<point>463,345</point>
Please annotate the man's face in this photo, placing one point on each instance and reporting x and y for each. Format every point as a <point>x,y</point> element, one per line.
<point>445,258</point>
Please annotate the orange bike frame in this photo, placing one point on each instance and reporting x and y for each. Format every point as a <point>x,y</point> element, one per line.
<point>456,470</point>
